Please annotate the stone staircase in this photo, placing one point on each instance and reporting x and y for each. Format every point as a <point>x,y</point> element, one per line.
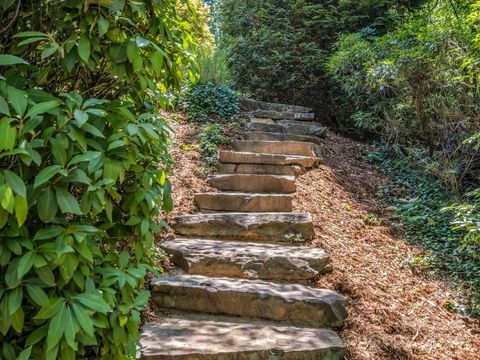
<point>245,286</point>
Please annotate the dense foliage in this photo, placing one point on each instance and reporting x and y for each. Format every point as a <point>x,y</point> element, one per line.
<point>84,160</point>
<point>419,204</point>
<point>278,49</point>
<point>417,86</point>
<point>215,102</point>
<point>210,138</point>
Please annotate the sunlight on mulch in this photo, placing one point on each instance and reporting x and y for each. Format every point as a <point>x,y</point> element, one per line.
<point>395,313</point>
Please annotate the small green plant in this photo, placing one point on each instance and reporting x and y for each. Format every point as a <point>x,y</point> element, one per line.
<point>210,138</point>
<point>207,102</point>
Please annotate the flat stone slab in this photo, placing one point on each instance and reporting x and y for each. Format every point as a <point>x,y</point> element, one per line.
<point>210,339</point>
<point>243,202</point>
<point>282,115</point>
<point>300,148</point>
<point>263,227</point>
<point>290,127</point>
<point>283,137</point>
<point>248,260</point>
<point>292,170</point>
<point>252,105</point>
<point>253,183</point>
<point>238,157</point>
<point>291,303</point>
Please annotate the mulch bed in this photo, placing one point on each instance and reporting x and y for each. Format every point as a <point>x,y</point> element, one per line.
<point>395,312</point>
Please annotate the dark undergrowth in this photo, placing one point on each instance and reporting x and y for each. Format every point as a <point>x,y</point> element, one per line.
<point>418,203</point>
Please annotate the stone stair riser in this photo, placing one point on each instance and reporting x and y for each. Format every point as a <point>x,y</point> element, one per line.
<point>253,183</point>
<point>243,202</point>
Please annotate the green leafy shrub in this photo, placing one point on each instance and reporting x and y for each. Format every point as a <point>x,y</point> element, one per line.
<point>211,101</point>
<point>84,163</point>
<point>210,138</point>
<point>278,49</point>
<point>416,85</point>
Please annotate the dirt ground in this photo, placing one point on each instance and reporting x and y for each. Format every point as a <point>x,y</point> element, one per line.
<point>395,312</point>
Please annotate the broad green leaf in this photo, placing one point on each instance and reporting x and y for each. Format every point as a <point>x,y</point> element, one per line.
<point>18,100</point>
<point>30,40</point>
<point>85,321</point>
<point>6,59</point>
<point>157,62</point>
<point>81,117</point>
<point>142,299</point>
<point>93,301</point>
<point>48,233</point>
<point>30,33</point>
<point>70,331</point>
<point>93,130</point>
<point>84,48</point>
<point>15,297</point>
<point>93,102</point>
<point>58,151</point>
<point>37,335</point>
<point>46,174</point>
<point>21,209</point>
<point>67,202</point>
<point>7,199</point>
<point>25,263</point>
<point>8,134</point>
<point>49,51</point>
<point>46,275</point>
<point>47,206</point>
<point>102,26</point>
<point>15,182</point>
<point>51,309</point>
<point>37,294</point>
<point>42,107</point>
<point>4,106</point>
<point>18,319</point>
<point>56,328</point>
<point>25,354</point>
<point>88,156</point>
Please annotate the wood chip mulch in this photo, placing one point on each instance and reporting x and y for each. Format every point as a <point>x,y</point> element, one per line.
<point>395,312</point>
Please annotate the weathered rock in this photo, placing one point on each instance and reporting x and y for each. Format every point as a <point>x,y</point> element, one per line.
<point>212,339</point>
<point>243,202</point>
<point>252,105</point>
<point>283,137</point>
<point>262,121</point>
<point>302,128</point>
<point>253,183</point>
<point>262,227</point>
<point>300,148</point>
<point>248,260</point>
<point>292,170</point>
<point>292,303</point>
<point>237,157</point>
<point>282,115</point>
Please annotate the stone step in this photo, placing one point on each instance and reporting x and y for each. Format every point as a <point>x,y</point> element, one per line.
<point>289,127</point>
<point>237,157</point>
<point>230,339</point>
<point>263,227</point>
<point>252,105</point>
<point>292,170</point>
<point>253,183</point>
<point>243,202</point>
<point>282,115</point>
<point>248,260</point>
<point>265,136</point>
<point>278,147</point>
<point>292,303</point>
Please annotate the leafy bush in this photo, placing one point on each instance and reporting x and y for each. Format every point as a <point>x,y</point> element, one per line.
<point>416,85</point>
<point>211,136</point>
<point>278,49</point>
<point>84,161</point>
<point>420,215</point>
<point>205,101</point>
